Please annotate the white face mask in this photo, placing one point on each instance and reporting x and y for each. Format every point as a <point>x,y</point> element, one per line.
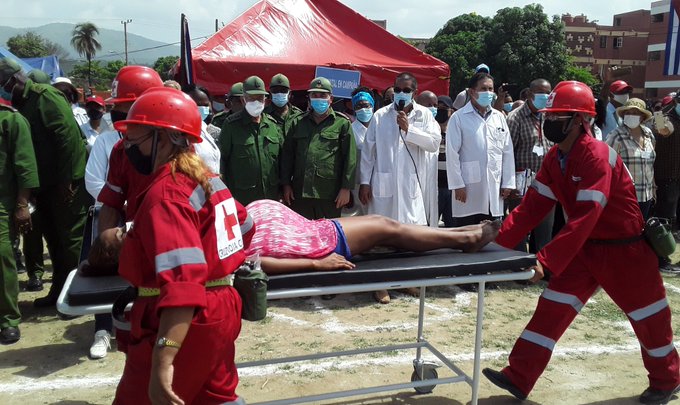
<point>254,108</point>
<point>621,98</point>
<point>631,121</point>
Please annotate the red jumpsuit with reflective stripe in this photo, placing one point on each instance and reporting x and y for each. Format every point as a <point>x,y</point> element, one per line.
<point>598,197</point>
<point>180,240</point>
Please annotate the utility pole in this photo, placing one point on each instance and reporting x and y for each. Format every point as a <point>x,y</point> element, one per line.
<point>125,23</point>
<point>216,27</point>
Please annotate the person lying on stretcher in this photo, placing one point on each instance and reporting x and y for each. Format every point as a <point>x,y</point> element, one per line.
<point>286,242</point>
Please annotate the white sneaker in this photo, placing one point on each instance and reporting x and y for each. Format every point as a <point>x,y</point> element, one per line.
<point>101,344</point>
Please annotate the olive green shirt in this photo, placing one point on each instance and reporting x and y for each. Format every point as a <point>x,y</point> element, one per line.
<point>59,145</point>
<point>250,157</point>
<point>18,168</point>
<point>220,118</point>
<point>284,122</point>
<point>319,159</point>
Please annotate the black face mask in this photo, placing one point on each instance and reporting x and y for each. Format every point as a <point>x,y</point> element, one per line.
<point>143,164</point>
<point>95,114</point>
<point>555,131</point>
<point>118,115</point>
<point>442,115</point>
<point>209,118</point>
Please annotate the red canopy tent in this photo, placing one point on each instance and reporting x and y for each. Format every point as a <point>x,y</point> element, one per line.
<point>294,36</point>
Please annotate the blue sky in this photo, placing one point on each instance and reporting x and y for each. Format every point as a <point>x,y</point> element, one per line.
<point>159,19</point>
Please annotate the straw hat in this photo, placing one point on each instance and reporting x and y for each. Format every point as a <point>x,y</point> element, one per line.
<point>634,104</point>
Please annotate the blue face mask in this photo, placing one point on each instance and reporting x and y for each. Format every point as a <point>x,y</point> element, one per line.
<point>677,109</point>
<point>406,97</point>
<point>319,105</point>
<point>364,114</point>
<point>485,98</point>
<point>280,99</point>
<point>540,100</point>
<point>204,111</point>
<point>4,94</point>
<point>507,107</point>
<point>433,110</point>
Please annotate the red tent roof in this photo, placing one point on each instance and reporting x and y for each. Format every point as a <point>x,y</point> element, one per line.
<point>294,36</point>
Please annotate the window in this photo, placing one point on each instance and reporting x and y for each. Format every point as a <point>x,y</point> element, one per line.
<point>617,22</point>
<point>603,42</point>
<point>618,42</point>
<point>654,55</point>
<point>657,18</point>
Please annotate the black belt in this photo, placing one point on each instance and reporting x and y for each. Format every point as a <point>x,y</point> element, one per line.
<point>626,241</point>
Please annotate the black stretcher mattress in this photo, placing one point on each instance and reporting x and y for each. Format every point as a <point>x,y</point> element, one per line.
<point>370,269</point>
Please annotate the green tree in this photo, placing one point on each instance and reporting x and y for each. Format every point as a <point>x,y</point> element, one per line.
<point>100,75</point>
<point>164,64</point>
<point>460,43</point>
<point>28,45</point>
<point>523,44</point>
<point>84,41</point>
<point>583,75</point>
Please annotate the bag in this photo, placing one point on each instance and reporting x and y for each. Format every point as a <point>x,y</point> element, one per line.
<point>658,234</point>
<point>251,284</point>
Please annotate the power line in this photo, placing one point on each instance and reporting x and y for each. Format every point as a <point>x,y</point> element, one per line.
<point>145,49</point>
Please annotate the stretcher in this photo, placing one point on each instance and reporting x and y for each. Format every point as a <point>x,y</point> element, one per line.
<point>91,295</point>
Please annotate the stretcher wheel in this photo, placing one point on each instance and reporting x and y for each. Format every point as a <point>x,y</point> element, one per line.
<point>429,373</point>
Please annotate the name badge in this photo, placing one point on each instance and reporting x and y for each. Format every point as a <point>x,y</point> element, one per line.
<point>538,150</point>
<point>646,154</point>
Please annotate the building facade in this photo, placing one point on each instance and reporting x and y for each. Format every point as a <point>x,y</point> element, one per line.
<point>657,85</point>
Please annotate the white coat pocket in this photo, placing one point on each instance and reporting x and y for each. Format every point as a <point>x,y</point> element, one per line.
<point>383,185</point>
<point>413,186</point>
<point>471,172</point>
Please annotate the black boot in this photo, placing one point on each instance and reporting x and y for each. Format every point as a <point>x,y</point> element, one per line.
<point>654,396</point>
<point>501,381</point>
<point>9,335</point>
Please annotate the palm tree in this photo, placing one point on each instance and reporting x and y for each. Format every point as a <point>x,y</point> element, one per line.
<point>84,41</point>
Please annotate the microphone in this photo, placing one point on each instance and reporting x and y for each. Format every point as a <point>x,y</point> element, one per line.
<point>400,106</point>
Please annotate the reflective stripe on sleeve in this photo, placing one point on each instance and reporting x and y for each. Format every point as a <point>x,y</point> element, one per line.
<point>649,310</point>
<point>178,257</point>
<point>592,195</point>
<point>538,339</point>
<point>563,298</point>
<point>114,188</point>
<point>197,198</point>
<point>662,351</point>
<point>217,184</point>
<point>612,157</point>
<point>247,225</point>
<point>543,190</point>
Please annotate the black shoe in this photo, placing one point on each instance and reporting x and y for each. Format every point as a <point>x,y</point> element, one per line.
<point>669,268</point>
<point>654,396</point>
<point>501,381</point>
<point>45,302</point>
<point>9,335</point>
<point>21,269</point>
<point>34,284</point>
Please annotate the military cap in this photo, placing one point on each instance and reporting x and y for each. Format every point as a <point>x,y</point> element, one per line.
<point>280,80</point>
<point>254,86</point>
<point>320,85</point>
<point>8,67</point>
<point>39,76</point>
<point>236,90</point>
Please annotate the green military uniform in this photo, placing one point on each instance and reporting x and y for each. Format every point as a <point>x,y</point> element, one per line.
<point>284,121</point>
<point>250,152</point>
<point>18,170</point>
<point>61,156</point>
<point>318,160</point>
<point>220,118</point>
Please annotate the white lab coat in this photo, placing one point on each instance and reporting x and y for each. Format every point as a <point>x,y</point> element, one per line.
<point>359,131</point>
<point>387,167</point>
<point>97,167</point>
<point>479,157</point>
<point>208,150</point>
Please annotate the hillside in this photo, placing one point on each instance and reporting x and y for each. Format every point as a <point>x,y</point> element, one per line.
<point>112,43</point>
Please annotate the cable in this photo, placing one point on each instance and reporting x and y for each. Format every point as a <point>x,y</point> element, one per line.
<point>415,167</point>
<point>145,49</point>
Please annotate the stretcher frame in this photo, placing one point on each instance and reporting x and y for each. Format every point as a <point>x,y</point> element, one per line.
<point>424,377</point>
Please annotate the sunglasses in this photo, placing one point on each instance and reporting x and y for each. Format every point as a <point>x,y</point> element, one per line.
<point>558,117</point>
<point>404,90</point>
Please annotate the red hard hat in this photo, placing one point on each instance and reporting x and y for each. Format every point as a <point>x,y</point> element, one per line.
<point>666,100</point>
<point>131,82</point>
<point>620,87</point>
<point>165,107</point>
<point>571,96</point>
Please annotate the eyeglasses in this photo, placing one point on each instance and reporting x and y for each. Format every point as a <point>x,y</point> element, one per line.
<point>404,90</point>
<point>558,117</point>
<point>128,144</point>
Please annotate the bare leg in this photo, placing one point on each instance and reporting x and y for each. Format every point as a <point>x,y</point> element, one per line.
<point>365,232</point>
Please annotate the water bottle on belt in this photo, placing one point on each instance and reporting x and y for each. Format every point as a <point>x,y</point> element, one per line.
<point>659,236</point>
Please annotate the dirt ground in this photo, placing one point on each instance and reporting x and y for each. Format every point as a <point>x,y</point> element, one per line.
<point>596,362</point>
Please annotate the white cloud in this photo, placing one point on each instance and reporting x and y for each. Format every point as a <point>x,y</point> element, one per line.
<point>159,19</point>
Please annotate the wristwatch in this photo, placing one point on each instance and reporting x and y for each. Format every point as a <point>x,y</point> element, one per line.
<point>165,342</point>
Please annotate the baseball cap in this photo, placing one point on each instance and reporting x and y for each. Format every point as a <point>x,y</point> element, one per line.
<point>95,99</point>
<point>620,87</point>
<point>8,67</point>
<point>446,100</point>
<point>280,80</point>
<point>320,85</point>
<point>482,68</point>
<point>254,86</point>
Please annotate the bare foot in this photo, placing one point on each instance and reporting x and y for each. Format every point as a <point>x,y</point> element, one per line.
<point>482,237</point>
<point>382,296</point>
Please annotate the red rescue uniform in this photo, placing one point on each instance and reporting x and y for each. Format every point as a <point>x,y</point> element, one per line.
<point>598,247</point>
<point>123,183</point>
<point>180,240</point>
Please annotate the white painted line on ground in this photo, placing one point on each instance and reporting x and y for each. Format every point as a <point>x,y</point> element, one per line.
<point>23,384</point>
<point>671,287</point>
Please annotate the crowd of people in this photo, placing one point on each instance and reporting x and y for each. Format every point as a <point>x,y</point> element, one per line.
<point>305,183</point>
